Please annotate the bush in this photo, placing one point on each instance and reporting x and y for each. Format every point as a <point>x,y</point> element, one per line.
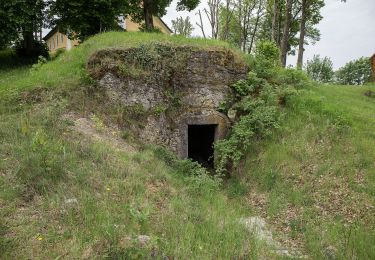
<point>199,179</point>
<point>38,49</point>
<point>320,69</point>
<point>57,53</point>
<point>256,109</point>
<point>293,77</point>
<point>266,59</point>
<point>355,72</point>
<point>42,164</point>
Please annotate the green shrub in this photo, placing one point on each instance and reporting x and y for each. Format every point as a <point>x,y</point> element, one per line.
<point>267,50</point>
<point>42,164</point>
<point>198,178</point>
<point>355,72</point>
<point>266,60</point>
<point>293,77</point>
<point>256,107</point>
<point>57,53</point>
<point>38,49</point>
<point>320,69</point>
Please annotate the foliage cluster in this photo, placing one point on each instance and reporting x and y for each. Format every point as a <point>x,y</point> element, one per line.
<point>32,55</point>
<point>356,72</point>
<point>182,26</point>
<point>256,104</point>
<point>196,175</point>
<point>320,69</point>
<point>81,19</point>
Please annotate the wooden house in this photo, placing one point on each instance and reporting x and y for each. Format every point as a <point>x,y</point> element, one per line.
<point>373,67</point>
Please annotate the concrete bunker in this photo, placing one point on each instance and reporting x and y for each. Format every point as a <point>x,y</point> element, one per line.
<point>176,92</point>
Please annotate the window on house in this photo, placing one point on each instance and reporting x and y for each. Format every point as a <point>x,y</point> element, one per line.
<point>57,40</point>
<point>62,38</point>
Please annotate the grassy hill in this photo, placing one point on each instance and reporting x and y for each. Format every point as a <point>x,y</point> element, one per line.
<point>73,185</point>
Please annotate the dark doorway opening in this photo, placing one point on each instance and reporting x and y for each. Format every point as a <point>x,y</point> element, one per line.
<point>200,144</point>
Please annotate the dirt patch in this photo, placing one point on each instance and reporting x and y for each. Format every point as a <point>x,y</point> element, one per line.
<point>370,93</point>
<point>95,130</point>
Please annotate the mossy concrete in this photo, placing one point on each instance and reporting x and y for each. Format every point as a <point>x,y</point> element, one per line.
<point>170,87</point>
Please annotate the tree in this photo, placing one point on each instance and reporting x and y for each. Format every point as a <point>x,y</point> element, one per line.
<point>21,20</point>
<point>320,69</point>
<point>212,14</point>
<point>88,17</point>
<point>286,31</point>
<point>356,72</point>
<point>144,10</point>
<point>310,10</point>
<point>229,28</point>
<point>240,21</point>
<point>182,26</point>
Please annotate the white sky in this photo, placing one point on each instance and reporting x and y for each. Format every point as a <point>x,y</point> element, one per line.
<point>347,30</point>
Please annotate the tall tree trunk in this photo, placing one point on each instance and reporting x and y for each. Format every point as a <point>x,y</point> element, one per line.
<point>227,21</point>
<point>302,35</point>
<point>285,39</point>
<point>255,27</point>
<point>200,25</point>
<point>275,21</point>
<point>149,21</point>
<point>28,42</point>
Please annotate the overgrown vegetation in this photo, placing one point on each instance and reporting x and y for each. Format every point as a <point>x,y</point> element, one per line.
<point>65,194</point>
<point>256,105</point>
<point>307,168</point>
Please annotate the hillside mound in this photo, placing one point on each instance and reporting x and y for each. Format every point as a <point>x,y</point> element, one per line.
<point>77,182</point>
<point>167,88</point>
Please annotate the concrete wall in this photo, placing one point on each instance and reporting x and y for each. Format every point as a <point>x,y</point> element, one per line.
<point>183,86</point>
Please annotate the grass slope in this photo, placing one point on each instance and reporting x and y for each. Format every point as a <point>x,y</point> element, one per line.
<point>63,194</point>
<point>316,176</point>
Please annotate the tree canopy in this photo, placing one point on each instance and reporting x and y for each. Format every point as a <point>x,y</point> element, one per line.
<point>87,17</point>
<point>144,10</point>
<point>20,19</point>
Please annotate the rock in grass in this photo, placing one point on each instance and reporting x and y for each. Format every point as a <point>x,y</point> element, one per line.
<point>72,201</point>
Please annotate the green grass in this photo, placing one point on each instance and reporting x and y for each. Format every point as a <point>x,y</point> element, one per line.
<point>313,179</point>
<point>317,173</point>
<point>117,194</point>
<point>69,69</point>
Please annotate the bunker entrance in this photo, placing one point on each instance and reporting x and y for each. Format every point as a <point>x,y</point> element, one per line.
<point>200,144</point>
